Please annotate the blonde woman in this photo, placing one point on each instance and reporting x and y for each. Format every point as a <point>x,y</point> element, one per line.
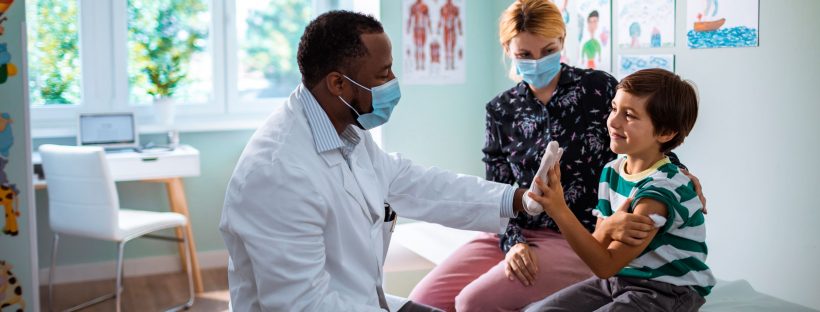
<point>551,102</point>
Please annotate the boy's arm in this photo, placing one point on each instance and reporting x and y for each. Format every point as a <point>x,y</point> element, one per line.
<point>604,261</point>
<point>600,235</point>
<point>624,226</point>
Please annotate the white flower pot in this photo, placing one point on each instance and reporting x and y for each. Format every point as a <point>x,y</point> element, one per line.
<point>164,111</point>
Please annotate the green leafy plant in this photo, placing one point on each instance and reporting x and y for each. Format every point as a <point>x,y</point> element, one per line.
<point>272,37</point>
<point>163,36</point>
<point>53,46</point>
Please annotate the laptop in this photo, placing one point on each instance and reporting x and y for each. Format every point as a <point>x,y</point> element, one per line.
<point>112,131</point>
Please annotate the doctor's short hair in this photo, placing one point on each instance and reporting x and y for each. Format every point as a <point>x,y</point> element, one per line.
<point>671,102</point>
<point>331,42</point>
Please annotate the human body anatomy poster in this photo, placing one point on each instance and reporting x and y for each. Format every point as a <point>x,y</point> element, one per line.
<point>434,41</point>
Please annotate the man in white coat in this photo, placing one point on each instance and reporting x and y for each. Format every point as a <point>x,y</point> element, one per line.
<point>312,202</point>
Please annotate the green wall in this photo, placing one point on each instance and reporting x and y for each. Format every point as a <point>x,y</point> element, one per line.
<point>443,125</point>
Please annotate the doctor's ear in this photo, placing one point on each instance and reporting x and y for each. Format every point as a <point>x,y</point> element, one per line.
<point>335,82</point>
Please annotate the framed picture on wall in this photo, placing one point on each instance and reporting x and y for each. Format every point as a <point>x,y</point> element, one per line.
<point>434,41</point>
<point>594,18</point>
<point>646,23</point>
<point>628,64</point>
<point>722,24</point>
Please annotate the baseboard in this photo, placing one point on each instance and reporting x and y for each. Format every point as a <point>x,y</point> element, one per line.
<point>132,267</point>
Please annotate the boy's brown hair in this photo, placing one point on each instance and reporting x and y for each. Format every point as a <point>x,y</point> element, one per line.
<point>671,102</point>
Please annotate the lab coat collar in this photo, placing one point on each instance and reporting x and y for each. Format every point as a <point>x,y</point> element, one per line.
<point>324,134</point>
<point>333,148</point>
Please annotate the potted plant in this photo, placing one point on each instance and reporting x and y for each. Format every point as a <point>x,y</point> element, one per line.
<point>163,38</point>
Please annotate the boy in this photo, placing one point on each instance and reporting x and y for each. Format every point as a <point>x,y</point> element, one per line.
<point>652,112</point>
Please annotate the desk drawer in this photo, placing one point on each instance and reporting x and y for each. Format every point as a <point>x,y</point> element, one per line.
<point>154,167</point>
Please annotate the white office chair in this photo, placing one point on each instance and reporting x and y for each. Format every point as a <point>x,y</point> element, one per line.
<point>83,202</point>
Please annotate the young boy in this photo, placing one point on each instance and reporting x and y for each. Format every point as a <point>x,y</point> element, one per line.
<point>652,112</point>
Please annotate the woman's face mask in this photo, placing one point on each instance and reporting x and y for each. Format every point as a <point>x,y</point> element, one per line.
<point>384,98</point>
<point>539,73</point>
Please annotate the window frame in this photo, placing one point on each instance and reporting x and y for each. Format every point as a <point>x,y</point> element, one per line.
<point>103,35</point>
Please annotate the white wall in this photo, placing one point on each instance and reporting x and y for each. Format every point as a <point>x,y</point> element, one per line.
<point>755,149</point>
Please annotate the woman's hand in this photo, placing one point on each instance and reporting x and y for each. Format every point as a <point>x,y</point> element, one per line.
<point>521,262</point>
<point>625,227</point>
<point>698,187</point>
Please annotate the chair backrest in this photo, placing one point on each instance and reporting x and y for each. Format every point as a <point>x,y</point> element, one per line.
<point>82,197</point>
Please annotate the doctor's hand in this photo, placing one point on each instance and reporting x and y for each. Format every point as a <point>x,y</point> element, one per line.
<point>521,262</point>
<point>552,156</point>
<point>552,197</point>
<point>625,227</point>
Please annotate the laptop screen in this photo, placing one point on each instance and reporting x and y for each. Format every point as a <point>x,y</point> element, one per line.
<point>107,129</point>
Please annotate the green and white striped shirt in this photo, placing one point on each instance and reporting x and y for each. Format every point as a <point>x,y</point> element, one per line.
<point>677,253</point>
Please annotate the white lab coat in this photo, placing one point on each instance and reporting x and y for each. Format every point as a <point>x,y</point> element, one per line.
<point>305,232</point>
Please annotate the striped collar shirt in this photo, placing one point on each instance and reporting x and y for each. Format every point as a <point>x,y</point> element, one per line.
<point>324,134</point>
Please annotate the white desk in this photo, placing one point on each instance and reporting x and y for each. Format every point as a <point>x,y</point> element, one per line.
<point>167,167</point>
<point>132,166</point>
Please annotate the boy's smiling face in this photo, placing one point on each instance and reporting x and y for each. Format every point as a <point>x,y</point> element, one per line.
<point>630,128</point>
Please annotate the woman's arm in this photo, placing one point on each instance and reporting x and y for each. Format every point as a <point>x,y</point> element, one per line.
<point>498,169</point>
<point>496,165</point>
<point>520,261</point>
<point>695,181</point>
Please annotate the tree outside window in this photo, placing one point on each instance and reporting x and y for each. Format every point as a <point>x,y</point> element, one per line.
<point>268,36</point>
<point>53,51</point>
<point>165,38</point>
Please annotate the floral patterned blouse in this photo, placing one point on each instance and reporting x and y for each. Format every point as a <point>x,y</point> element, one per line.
<point>519,127</point>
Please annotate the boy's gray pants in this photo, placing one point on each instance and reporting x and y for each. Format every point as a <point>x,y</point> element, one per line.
<point>620,294</point>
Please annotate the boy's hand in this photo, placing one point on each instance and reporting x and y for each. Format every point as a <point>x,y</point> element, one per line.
<point>553,193</point>
<point>625,227</point>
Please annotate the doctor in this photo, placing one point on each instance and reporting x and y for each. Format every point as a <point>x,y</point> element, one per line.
<point>313,201</point>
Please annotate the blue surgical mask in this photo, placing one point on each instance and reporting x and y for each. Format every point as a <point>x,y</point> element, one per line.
<point>539,73</point>
<point>385,97</point>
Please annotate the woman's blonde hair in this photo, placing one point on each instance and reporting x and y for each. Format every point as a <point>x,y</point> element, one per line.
<point>539,17</point>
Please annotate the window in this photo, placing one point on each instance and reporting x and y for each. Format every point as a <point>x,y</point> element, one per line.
<point>166,38</point>
<point>226,63</point>
<point>268,35</point>
<point>54,52</point>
